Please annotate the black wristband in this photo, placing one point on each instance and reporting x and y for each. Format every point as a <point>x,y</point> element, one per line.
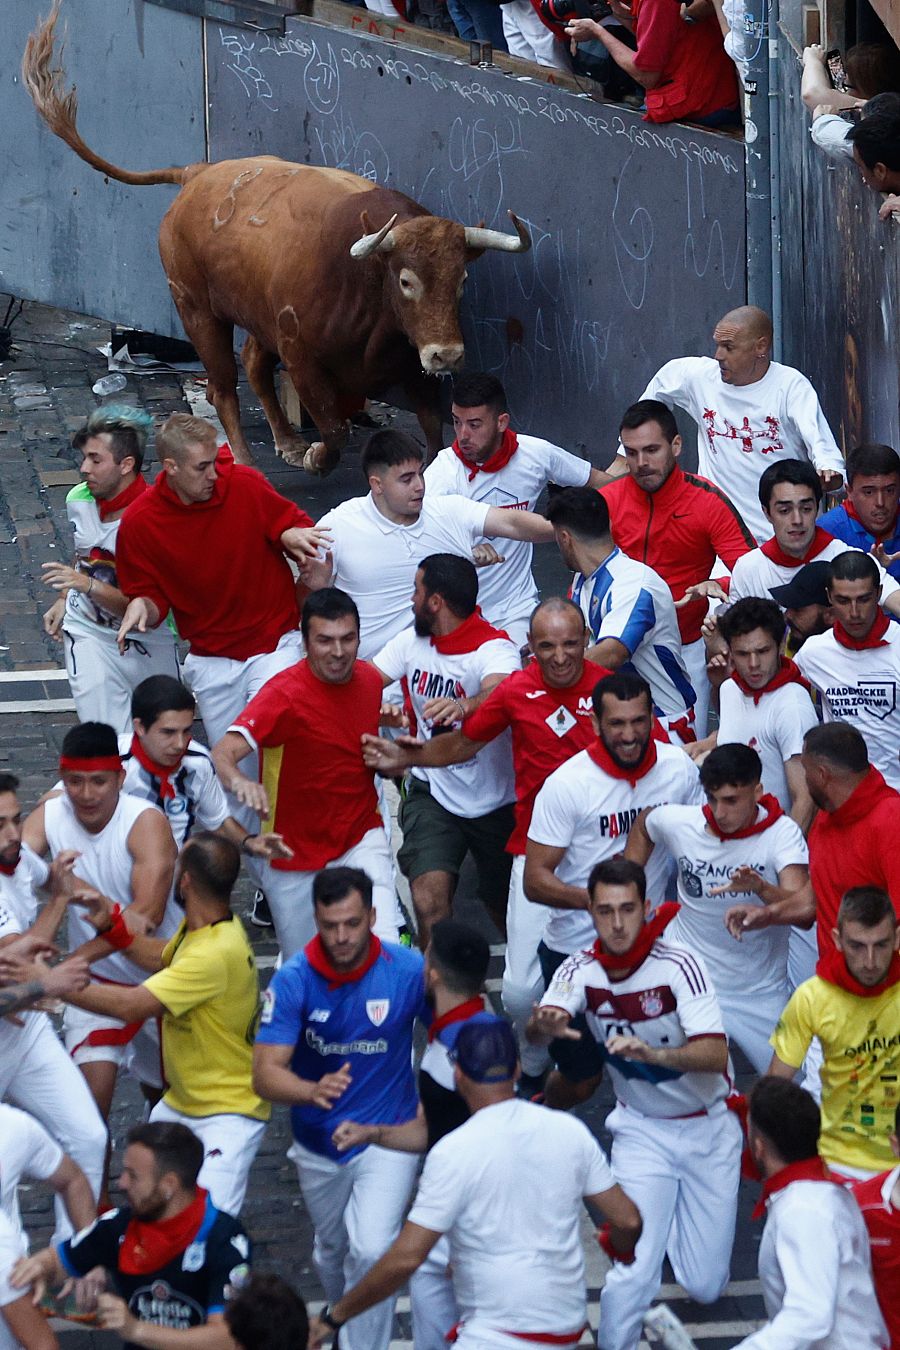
<point>327,1317</point>
<point>244,841</point>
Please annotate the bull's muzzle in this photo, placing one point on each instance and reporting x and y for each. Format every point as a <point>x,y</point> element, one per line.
<point>436,358</point>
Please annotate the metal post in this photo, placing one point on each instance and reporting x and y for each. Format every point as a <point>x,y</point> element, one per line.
<point>774,101</point>
<point>757,154</point>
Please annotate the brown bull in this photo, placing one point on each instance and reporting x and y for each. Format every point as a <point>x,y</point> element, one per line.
<point>275,248</point>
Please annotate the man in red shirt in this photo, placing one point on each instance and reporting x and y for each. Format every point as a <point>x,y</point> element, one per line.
<point>879,1200</point>
<point>548,708</point>
<point>209,542</point>
<point>316,792</point>
<point>681,64</point>
<point>676,523</point>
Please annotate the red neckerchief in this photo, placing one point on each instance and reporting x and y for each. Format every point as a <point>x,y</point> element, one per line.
<point>224,465</point>
<point>509,444</point>
<point>640,949</point>
<point>770,805</point>
<point>461,1013</point>
<point>776,554</point>
<point>471,634</point>
<point>874,638</point>
<point>604,760</point>
<point>166,790</point>
<point>125,498</point>
<point>787,673</point>
<point>879,538</point>
<point>832,968</point>
<point>146,1247</point>
<point>810,1169</point>
<point>317,957</point>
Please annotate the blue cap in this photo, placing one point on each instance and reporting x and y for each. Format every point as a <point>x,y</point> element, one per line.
<point>486,1050</point>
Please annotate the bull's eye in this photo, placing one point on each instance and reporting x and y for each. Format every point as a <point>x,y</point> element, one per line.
<point>410,285</point>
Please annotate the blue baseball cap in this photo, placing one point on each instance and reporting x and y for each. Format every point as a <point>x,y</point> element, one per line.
<point>486,1050</point>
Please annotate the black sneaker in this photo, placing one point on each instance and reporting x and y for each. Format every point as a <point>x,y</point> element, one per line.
<point>260,914</point>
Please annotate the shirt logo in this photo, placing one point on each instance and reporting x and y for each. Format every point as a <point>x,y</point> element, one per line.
<point>268,1007</point>
<point>194,1256</point>
<point>536,693</point>
<point>881,697</point>
<point>319,1015</point>
<point>651,1003</point>
<point>692,884</point>
<point>560,721</point>
<point>377,1010</point>
<point>585,705</point>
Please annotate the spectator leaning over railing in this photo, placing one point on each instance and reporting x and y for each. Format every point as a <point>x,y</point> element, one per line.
<point>876,150</point>
<point>872,68</point>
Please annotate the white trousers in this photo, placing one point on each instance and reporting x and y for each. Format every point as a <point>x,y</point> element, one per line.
<point>290,893</point>
<point>38,1076</point>
<point>223,688</point>
<point>694,656</point>
<point>432,1300</point>
<point>523,983</point>
<point>102,681</point>
<point>529,39</point>
<point>750,1021</point>
<point>683,1176</point>
<point>230,1143</point>
<point>356,1210</point>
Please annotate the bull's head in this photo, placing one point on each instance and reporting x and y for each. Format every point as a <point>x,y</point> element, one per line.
<point>426,259</point>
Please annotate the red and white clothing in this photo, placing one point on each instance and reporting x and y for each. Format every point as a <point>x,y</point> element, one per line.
<point>102,678</point>
<point>751,976</point>
<point>506,1186</point>
<point>455,667</point>
<point>676,1146</point>
<point>882,1219</point>
<point>190,795</point>
<point>815,1267</point>
<point>772,721</point>
<point>375,560</point>
<point>322,798</point>
<point>742,429</point>
<point>588,807</point>
<point>767,566</point>
<point>36,1074</point>
<point>106,863</point>
<point>860,683</point>
<point>507,593</point>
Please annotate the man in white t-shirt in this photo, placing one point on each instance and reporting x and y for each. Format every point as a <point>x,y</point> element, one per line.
<point>740,826</point>
<point>448,661</point>
<point>790,494</point>
<point>27,1150</point>
<point>489,462</point>
<point>750,411</point>
<point>379,540</point>
<point>21,1323</point>
<point>507,1188</point>
<point>856,665</point>
<point>628,608</point>
<point>651,1009</point>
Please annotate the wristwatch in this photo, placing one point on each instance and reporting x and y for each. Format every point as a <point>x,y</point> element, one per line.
<point>245,840</point>
<point>330,1321</point>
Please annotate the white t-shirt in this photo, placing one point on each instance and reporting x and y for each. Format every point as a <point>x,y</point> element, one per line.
<point>12,1247</point>
<point>816,1272</point>
<point>863,688</point>
<point>507,591</point>
<point>831,133</point>
<point>375,561</point>
<point>26,1150</point>
<point>481,784</point>
<point>18,902</point>
<point>506,1186</point>
<point>758,963</point>
<point>587,812</point>
<point>199,800</point>
<point>668,1000</point>
<point>627,600</point>
<point>774,727</point>
<point>755,574</point>
<point>742,429</point>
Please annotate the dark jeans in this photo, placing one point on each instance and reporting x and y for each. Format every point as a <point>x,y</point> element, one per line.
<point>478,19</point>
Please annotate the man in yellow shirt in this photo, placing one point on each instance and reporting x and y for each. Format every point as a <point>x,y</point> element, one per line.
<point>204,987</point>
<point>852,1004</point>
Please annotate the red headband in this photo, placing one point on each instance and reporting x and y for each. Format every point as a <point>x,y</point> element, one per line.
<point>90,764</point>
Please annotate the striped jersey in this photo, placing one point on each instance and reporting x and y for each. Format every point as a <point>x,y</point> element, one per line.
<point>199,798</point>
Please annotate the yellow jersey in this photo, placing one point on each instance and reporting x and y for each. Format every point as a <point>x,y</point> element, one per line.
<point>210,992</point>
<point>860,1040</point>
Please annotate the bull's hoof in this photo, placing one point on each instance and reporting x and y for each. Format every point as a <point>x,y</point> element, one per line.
<point>293,452</point>
<point>319,461</point>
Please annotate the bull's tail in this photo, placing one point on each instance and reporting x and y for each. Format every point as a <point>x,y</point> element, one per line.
<point>59,106</point>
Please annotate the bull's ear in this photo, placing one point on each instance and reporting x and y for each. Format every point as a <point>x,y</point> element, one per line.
<point>364,222</point>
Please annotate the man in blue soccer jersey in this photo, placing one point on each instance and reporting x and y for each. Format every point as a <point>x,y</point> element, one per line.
<point>335,1043</point>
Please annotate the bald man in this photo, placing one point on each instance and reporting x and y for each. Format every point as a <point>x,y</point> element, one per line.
<point>750,412</point>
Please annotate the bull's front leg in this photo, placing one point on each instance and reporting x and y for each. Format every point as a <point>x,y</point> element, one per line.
<point>316,391</point>
<point>425,393</point>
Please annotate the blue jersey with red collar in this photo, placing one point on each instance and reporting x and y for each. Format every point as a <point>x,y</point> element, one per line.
<point>367,1023</point>
<point>843,526</point>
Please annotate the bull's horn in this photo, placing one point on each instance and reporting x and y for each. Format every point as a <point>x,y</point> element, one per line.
<point>371,243</point>
<point>507,243</point>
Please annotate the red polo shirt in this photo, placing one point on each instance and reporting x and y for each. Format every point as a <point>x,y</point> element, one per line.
<point>698,77</point>
<point>679,531</point>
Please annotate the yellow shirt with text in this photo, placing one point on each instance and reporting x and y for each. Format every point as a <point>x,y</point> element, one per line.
<point>860,1040</point>
<point>210,991</point>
